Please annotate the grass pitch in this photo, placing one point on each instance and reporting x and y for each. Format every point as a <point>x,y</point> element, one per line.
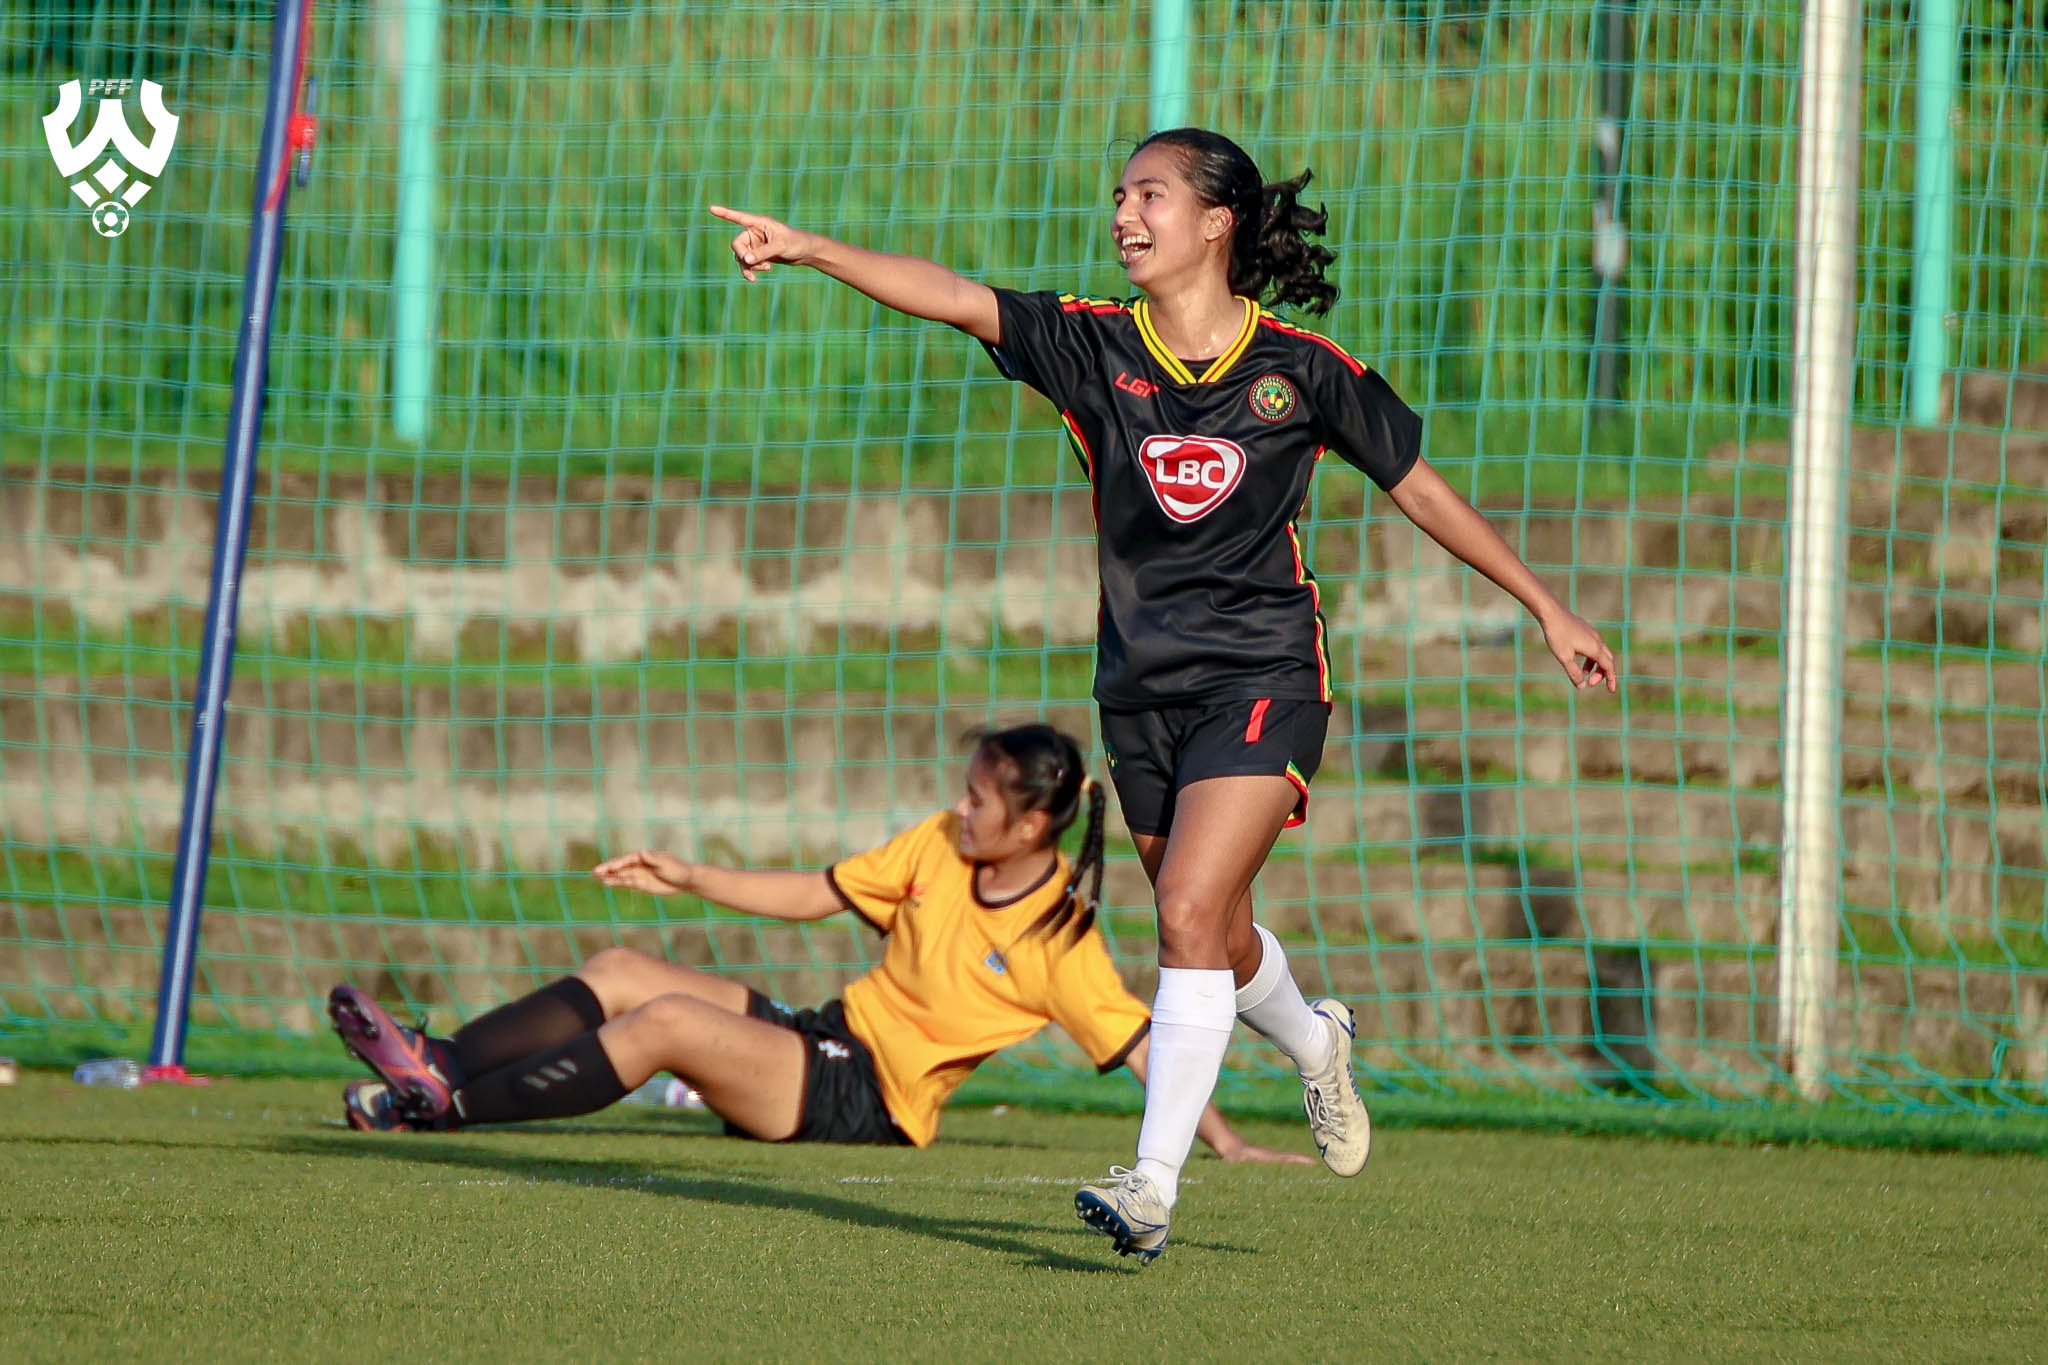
<point>242,1222</point>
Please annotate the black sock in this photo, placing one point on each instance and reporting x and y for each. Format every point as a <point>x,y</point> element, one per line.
<point>553,1014</point>
<point>569,1078</point>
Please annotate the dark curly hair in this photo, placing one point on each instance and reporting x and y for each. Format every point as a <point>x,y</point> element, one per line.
<point>1271,257</point>
<point>1040,768</point>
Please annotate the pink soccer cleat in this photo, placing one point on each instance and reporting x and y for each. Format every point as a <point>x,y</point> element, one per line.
<point>401,1056</point>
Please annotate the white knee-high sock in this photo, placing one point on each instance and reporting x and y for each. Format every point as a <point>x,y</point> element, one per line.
<point>1192,1015</point>
<point>1272,1005</point>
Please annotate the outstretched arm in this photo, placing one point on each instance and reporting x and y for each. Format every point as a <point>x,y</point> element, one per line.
<point>1437,509</point>
<point>909,284</point>
<point>1214,1129</point>
<point>774,893</point>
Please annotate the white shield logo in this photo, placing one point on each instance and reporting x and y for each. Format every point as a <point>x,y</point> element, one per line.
<point>110,201</point>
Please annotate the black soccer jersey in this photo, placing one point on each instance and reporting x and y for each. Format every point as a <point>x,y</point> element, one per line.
<point>1199,480</point>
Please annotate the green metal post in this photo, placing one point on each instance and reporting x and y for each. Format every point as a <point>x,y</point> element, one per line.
<point>1170,40</point>
<point>419,102</point>
<point>1934,195</point>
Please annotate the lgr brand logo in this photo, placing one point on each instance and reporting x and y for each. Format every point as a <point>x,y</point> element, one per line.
<point>110,201</point>
<point>1190,475</point>
<point>1139,388</point>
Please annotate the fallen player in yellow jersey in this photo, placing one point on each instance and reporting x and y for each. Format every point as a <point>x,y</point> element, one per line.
<point>989,935</point>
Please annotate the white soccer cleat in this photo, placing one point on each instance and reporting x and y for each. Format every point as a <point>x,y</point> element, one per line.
<point>1127,1209</point>
<point>1336,1115</point>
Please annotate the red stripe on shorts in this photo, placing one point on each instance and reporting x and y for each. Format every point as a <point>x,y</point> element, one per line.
<point>1257,726</point>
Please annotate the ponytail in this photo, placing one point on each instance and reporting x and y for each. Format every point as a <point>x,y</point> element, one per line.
<point>1271,256</point>
<point>1075,908</point>
<point>1290,267</point>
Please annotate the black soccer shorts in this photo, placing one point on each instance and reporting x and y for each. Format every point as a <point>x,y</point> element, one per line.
<point>1153,754</point>
<point>842,1100</point>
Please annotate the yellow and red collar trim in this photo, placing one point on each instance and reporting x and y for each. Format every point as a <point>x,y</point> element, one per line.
<point>1141,312</point>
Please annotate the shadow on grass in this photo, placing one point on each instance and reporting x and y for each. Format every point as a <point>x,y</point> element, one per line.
<point>663,1179</point>
<point>1013,1144</point>
<point>702,1123</point>
<point>124,1143</point>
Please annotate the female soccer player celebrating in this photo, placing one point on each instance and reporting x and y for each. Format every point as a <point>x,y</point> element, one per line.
<point>990,936</point>
<point>1199,418</point>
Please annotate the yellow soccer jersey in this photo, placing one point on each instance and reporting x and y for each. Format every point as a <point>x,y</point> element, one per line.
<point>960,979</point>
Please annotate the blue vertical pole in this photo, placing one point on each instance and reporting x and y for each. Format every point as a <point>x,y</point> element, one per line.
<point>1934,197</point>
<point>419,102</point>
<point>1169,64</point>
<point>285,129</point>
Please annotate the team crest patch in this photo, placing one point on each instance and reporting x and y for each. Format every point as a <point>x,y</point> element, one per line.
<point>995,963</point>
<point>1272,398</point>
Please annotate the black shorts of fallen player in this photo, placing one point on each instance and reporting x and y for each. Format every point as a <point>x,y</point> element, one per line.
<point>1155,753</point>
<point>841,1099</point>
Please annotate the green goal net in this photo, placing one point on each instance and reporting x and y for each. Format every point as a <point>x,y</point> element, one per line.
<point>670,559</point>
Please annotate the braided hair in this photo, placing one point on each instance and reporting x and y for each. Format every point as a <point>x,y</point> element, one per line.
<point>1040,768</point>
<point>1271,257</point>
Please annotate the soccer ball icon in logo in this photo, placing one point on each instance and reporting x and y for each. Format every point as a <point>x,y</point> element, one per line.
<point>110,218</point>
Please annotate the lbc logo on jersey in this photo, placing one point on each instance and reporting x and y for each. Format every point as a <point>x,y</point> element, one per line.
<point>1190,475</point>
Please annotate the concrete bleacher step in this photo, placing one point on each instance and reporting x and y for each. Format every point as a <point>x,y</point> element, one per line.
<point>606,569</point>
<point>1956,865</point>
<point>484,519</point>
<point>1973,746</point>
<point>1559,1004</point>
<point>1334,901</point>
<point>521,777</point>
<point>1959,755</point>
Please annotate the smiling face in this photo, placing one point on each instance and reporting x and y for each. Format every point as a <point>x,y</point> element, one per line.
<point>988,834</point>
<point>1163,232</point>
